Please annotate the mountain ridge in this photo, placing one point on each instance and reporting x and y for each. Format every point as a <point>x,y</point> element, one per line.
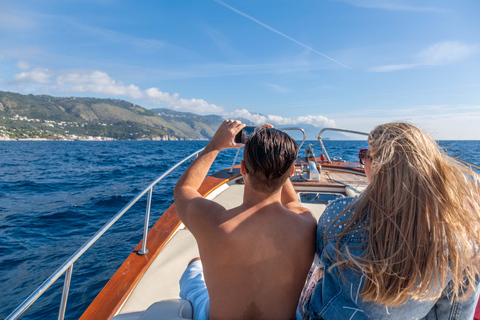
<point>65,118</point>
<point>45,117</point>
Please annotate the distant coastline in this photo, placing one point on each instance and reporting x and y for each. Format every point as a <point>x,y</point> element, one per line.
<point>99,139</point>
<point>45,118</point>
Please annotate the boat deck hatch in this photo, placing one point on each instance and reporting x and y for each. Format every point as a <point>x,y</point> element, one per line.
<point>317,197</point>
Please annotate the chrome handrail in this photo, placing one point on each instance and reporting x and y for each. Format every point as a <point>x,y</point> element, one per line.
<point>68,265</point>
<point>299,129</point>
<point>338,130</point>
<point>282,129</point>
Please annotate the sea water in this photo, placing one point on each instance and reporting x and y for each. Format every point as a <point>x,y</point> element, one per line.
<point>54,195</point>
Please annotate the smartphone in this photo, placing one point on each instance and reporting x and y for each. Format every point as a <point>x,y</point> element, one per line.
<point>243,135</point>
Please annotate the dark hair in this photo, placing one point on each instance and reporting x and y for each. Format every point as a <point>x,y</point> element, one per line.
<point>268,156</point>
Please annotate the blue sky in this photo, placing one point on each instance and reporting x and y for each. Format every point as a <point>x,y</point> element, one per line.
<point>343,63</point>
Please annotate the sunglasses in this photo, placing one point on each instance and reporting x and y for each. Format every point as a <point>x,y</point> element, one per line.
<point>363,156</point>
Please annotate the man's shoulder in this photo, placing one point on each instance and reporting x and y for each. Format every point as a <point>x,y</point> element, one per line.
<point>301,222</point>
<point>302,213</point>
<point>308,219</point>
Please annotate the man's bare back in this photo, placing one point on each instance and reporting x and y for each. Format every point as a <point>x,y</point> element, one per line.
<point>256,262</point>
<point>256,256</point>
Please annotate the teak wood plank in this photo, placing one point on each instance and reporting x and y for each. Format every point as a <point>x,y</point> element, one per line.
<point>118,288</point>
<point>346,165</point>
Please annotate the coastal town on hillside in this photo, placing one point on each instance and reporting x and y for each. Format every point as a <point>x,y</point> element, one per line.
<point>43,117</point>
<point>61,131</point>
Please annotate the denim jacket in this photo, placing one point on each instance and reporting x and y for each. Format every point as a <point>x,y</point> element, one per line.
<point>336,298</point>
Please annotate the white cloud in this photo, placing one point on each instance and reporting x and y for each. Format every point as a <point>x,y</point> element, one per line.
<point>98,82</point>
<point>222,43</point>
<point>22,64</point>
<point>37,75</point>
<point>101,83</point>
<point>392,67</point>
<point>258,119</point>
<point>277,88</point>
<point>446,52</point>
<point>391,5</point>
<point>440,53</point>
<point>445,127</point>
<point>156,96</point>
<point>443,122</point>
<point>141,44</point>
<point>15,21</point>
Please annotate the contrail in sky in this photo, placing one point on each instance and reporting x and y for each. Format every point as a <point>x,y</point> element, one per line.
<point>279,33</point>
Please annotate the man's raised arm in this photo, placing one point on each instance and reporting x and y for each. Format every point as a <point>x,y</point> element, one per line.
<point>188,201</point>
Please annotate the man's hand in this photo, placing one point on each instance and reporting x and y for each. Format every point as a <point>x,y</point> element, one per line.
<point>225,135</point>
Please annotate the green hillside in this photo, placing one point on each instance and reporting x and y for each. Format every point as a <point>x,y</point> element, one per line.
<point>191,123</point>
<point>41,116</point>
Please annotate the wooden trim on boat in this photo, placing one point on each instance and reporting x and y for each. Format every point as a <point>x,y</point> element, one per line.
<point>112,297</point>
<point>345,165</point>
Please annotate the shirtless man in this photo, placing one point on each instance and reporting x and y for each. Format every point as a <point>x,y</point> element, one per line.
<point>256,256</point>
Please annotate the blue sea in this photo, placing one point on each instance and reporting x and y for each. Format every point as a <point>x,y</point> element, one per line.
<point>54,195</point>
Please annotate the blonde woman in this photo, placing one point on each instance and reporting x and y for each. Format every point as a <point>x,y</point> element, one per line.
<point>409,246</point>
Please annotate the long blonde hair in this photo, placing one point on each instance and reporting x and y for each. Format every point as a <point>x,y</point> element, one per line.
<point>421,213</point>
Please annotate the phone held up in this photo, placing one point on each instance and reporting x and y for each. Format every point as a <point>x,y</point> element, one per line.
<point>242,136</point>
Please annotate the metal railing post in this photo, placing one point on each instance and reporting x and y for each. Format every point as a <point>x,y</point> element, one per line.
<point>66,288</point>
<point>319,138</point>
<point>299,129</point>
<point>144,249</point>
<point>234,160</point>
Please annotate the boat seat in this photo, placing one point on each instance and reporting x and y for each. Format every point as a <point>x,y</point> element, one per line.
<point>172,309</point>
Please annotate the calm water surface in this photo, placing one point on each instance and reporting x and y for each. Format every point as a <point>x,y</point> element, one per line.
<point>55,195</point>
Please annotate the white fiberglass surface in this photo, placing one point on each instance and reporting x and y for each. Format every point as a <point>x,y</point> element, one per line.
<point>160,281</point>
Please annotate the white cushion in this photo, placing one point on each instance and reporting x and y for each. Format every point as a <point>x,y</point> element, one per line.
<point>173,309</point>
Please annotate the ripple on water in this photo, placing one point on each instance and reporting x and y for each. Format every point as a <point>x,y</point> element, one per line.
<point>56,195</point>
